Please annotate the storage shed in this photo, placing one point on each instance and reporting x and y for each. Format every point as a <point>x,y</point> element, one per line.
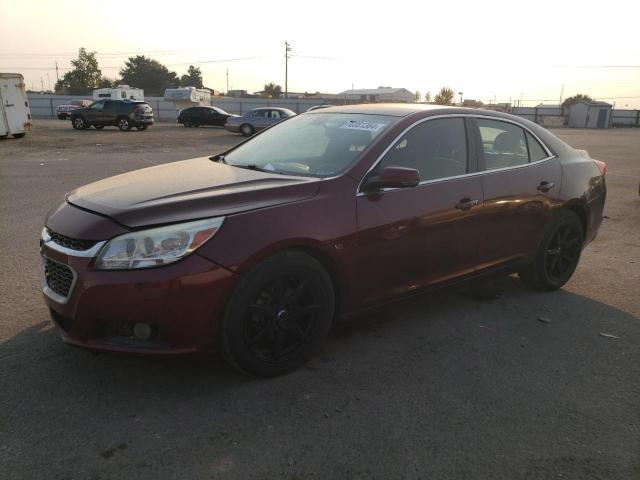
<point>590,115</point>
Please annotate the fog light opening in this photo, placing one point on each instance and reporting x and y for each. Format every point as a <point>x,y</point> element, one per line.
<point>142,331</point>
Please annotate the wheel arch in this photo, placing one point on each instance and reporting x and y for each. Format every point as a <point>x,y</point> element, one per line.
<point>581,212</point>
<point>317,250</point>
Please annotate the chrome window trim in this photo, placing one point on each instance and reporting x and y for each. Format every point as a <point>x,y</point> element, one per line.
<point>90,253</point>
<point>360,193</point>
<point>56,297</point>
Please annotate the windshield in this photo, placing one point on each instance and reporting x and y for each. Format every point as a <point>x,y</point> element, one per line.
<point>319,144</point>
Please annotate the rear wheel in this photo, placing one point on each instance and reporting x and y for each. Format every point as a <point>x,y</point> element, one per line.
<point>246,130</point>
<point>187,123</point>
<point>279,315</point>
<point>124,124</point>
<point>558,254</point>
<point>79,123</point>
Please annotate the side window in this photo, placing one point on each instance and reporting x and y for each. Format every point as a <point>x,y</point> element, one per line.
<point>260,113</point>
<point>436,148</point>
<point>97,106</point>
<point>274,114</point>
<point>536,152</point>
<point>503,143</point>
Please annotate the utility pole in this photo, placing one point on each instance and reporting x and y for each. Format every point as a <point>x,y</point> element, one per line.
<point>57,77</point>
<point>561,93</point>
<point>287,49</point>
<point>460,93</point>
<point>227,92</point>
<point>42,84</point>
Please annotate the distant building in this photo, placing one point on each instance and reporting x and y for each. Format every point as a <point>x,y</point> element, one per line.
<point>237,93</point>
<point>590,115</point>
<point>376,95</point>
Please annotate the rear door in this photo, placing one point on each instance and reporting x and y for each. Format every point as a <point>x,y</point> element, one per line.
<point>521,182</point>
<point>410,238</point>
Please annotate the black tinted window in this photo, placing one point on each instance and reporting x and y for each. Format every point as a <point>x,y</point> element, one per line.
<point>436,148</point>
<point>536,152</point>
<point>503,143</point>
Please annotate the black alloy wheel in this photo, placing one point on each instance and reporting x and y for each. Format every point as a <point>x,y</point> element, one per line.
<point>279,314</point>
<point>558,254</point>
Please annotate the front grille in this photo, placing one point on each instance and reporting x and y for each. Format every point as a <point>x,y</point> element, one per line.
<point>71,243</point>
<point>58,276</point>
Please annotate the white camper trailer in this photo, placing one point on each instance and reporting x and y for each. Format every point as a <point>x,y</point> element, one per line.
<point>185,97</point>
<point>15,115</point>
<point>121,92</point>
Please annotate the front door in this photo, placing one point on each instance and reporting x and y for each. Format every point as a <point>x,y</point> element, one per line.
<point>415,237</point>
<point>520,184</point>
<point>602,118</point>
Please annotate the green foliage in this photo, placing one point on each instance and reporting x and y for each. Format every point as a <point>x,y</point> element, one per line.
<point>107,83</point>
<point>445,96</point>
<point>427,96</point>
<point>581,97</point>
<point>193,78</point>
<point>271,90</point>
<point>148,74</point>
<point>418,96</point>
<point>84,77</point>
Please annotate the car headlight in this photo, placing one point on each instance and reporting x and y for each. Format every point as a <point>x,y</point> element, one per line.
<point>157,246</point>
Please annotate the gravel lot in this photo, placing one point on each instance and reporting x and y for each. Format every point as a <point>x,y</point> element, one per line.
<point>451,385</point>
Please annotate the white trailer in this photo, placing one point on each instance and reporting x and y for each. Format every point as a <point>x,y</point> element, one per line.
<point>185,97</point>
<point>121,92</point>
<point>15,115</point>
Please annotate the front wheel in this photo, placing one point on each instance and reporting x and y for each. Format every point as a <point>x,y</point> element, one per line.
<point>79,124</point>
<point>187,123</point>
<point>278,315</point>
<point>124,124</point>
<point>246,130</point>
<point>558,254</point>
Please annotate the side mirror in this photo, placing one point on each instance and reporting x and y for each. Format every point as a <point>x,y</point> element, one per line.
<point>392,177</point>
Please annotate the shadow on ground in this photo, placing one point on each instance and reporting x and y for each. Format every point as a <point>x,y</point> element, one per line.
<point>457,384</point>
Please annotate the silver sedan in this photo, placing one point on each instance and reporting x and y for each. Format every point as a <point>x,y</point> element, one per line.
<point>257,119</point>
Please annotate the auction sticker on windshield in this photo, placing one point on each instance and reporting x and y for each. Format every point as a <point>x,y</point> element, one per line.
<point>361,125</point>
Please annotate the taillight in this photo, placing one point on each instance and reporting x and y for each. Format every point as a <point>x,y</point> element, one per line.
<point>602,167</point>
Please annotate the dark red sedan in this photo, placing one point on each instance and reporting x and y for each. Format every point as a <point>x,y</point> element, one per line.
<point>253,253</point>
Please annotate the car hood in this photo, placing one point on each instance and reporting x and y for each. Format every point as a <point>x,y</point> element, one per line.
<point>187,190</point>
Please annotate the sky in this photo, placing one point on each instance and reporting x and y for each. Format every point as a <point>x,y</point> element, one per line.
<point>489,50</point>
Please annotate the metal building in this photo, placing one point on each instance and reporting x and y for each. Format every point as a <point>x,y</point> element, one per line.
<point>590,115</point>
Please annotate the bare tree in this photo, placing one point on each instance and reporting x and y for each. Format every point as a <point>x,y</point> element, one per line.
<point>445,96</point>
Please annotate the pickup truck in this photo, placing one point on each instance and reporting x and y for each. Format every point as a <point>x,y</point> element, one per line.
<point>63,111</point>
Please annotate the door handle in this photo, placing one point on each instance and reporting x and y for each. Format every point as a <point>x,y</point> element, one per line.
<point>545,186</point>
<point>466,204</point>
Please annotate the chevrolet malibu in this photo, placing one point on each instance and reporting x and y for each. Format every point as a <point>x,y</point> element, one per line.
<point>253,253</point>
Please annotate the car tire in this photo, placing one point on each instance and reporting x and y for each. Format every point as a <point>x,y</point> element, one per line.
<point>187,123</point>
<point>19,135</point>
<point>278,315</point>
<point>246,130</point>
<point>79,123</point>
<point>124,124</point>
<point>141,127</point>
<point>98,127</point>
<point>558,254</point>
